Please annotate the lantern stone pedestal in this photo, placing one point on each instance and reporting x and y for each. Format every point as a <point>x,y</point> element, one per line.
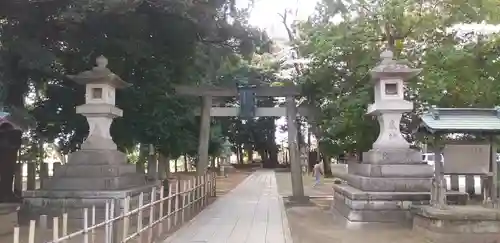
<point>98,173</point>
<point>381,189</point>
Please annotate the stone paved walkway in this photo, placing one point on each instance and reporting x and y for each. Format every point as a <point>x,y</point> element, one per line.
<point>252,213</point>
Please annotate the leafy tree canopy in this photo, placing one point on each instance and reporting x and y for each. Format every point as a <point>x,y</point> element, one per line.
<point>152,44</point>
<point>343,41</point>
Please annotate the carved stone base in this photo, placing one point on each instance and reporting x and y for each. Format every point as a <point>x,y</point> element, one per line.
<point>395,184</point>
<point>94,177</point>
<point>392,156</point>
<point>55,203</point>
<point>98,183</point>
<point>383,186</point>
<point>458,224</point>
<point>91,177</point>
<point>95,170</point>
<point>381,207</point>
<point>387,170</point>
<point>97,157</point>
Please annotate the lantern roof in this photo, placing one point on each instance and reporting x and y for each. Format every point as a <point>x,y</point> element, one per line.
<point>391,68</point>
<point>100,74</point>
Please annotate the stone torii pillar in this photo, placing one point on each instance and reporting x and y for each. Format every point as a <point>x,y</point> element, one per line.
<point>391,176</point>
<point>204,139</point>
<point>295,163</point>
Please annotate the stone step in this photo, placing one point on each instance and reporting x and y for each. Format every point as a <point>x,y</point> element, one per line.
<point>354,195</point>
<point>372,215</point>
<point>93,170</point>
<point>75,215</point>
<point>395,184</point>
<point>89,183</point>
<point>392,156</point>
<point>55,207</point>
<point>391,171</point>
<point>97,157</point>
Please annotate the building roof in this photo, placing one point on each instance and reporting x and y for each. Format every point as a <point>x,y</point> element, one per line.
<point>19,119</point>
<point>461,120</point>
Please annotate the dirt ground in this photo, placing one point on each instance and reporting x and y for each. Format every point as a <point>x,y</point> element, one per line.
<point>223,185</point>
<point>324,189</point>
<point>316,223</point>
<point>234,178</point>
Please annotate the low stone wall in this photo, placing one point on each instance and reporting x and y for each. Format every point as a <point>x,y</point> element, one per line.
<point>458,224</point>
<point>387,207</point>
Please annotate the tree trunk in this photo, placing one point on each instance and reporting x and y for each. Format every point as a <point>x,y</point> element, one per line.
<point>250,155</point>
<point>212,163</point>
<point>238,155</point>
<point>241,157</point>
<point>10,139</point>
<point>141,161</point>
<point>165,161</point>
<point>10,142</point>
<point>273,158</point>
<point>300,135</point>
<point>309,136</point>
<point>359,156</point>
<point>313,159</point>
<point>185,163</point>
<point>152,163</point>
<point>327,168</point>
<point>262,154</point>
<point>175,165</point>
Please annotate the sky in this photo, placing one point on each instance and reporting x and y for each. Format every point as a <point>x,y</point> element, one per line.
<point>265,14</point>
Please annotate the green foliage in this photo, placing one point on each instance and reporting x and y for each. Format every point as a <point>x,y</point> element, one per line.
<point>152,44</point>
<point>257,134</point>
<point>344,39</point>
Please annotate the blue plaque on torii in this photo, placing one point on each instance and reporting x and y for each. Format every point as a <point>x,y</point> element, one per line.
<point>246,94</point>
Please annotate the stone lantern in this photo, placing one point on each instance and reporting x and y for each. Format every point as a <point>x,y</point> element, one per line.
<point>390,76</point>
<point>99,108</point>
<point>98,172</point>
<point>226,148</point>
<point>391,176</point>
<point>226,157</point>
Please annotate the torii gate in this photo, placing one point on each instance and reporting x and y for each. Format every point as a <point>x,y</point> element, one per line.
<point>247,94</point>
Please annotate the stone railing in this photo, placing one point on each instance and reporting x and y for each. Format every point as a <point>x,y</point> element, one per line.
<point>164,211</point>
